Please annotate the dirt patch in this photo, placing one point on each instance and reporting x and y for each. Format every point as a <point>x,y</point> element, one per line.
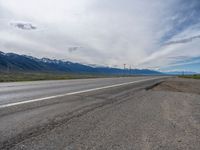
<point>179,85</point>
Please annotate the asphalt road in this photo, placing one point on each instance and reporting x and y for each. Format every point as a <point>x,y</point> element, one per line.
<point>23,91</point>
<point>98,114</point>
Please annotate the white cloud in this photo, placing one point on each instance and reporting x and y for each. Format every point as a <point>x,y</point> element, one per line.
<point>190,49</point>
<point>110,32</point>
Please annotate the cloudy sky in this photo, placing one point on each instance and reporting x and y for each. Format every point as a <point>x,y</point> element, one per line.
<point>154,34</point>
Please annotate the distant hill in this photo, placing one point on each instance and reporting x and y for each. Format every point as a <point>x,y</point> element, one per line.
<point>11,62</point>
<point>181,73</point>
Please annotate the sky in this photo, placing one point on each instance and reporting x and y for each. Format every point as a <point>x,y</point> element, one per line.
<point>151,34</point>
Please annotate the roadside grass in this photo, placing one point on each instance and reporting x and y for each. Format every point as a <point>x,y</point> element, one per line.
<point>190,76</point>
<point>16,77</point>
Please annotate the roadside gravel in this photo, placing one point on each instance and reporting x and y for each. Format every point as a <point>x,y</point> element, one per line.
<point>166,117</point>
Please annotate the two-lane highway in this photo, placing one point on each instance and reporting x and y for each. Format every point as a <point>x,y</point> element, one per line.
<point>18,92</point>
<point>23,118</point>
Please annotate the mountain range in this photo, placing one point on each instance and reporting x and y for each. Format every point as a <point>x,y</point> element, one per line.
<point>181,73</point>
<point>11,62</point>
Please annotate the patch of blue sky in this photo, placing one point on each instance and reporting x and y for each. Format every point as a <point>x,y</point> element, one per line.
<point>189,64</point>
<point>185,15</point>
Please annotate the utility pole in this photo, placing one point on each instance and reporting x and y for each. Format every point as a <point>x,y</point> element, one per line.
<point>124,69</point>
<point>124,66</point>
<point>130,70</point>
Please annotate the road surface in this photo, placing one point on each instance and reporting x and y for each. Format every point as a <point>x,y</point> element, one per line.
<point>111,113</point>
<point>23,91</point>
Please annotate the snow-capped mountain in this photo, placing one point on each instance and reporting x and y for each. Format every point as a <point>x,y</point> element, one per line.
<point>11,62</point>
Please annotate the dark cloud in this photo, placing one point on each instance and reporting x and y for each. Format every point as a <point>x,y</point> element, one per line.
<point>74,48</point>
<point>182,41</point>
<point>23,26</point>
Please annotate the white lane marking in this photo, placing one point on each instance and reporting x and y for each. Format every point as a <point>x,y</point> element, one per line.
<point>73,93</point>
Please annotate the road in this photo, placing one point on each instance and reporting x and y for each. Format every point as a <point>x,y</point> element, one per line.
<point>23,91</point>
<point>109,113</point>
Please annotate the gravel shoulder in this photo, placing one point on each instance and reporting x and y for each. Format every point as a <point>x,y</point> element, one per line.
<point>166,117</point>
<point>179,85</point>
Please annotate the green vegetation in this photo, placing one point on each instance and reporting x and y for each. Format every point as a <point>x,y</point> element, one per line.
<point>15,77</point>
<point>190,76</point>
